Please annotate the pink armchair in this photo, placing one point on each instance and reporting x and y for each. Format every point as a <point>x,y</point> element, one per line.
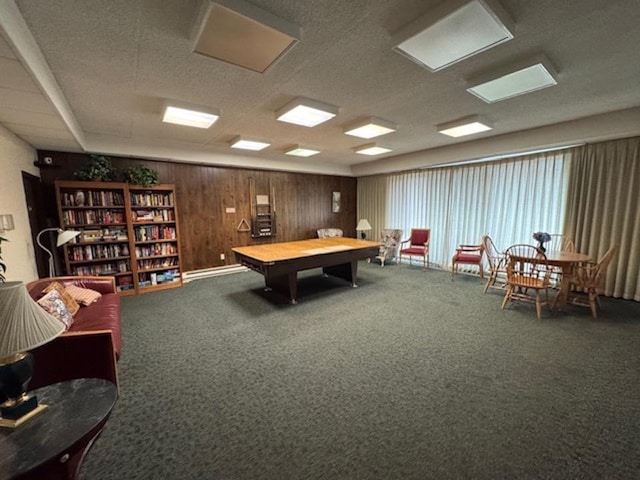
<point>417,245</point>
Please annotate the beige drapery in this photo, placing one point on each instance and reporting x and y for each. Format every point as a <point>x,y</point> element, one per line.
<point>603,209</point>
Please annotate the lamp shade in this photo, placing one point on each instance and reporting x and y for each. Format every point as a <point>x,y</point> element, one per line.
<point>24,325</point>
<point>65,236</point>
<point>363,224</point>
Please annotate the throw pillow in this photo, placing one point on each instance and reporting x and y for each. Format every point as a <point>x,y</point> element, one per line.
<point>52,302</point>
<point>84,296</point>
<point>68,300</point>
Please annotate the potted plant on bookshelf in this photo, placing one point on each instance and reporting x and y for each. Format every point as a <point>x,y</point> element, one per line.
<point>141,175</point>
<point>98,168</point>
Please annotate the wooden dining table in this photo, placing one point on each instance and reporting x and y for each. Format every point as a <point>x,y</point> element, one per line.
<point>566,261</point>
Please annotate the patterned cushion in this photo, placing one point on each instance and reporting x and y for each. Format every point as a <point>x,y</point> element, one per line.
<point>85,296</point>
<point>52,302</point>
<point>329,232</point>
<point>68,300</point>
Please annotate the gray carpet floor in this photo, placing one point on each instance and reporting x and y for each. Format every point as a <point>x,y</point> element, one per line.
<point>409,376</point>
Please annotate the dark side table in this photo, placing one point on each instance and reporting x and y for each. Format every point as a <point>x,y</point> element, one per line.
<point>52,445</point>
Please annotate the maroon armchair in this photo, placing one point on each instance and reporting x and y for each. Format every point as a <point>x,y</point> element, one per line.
<point>417,245</point>
<point>467,255</point>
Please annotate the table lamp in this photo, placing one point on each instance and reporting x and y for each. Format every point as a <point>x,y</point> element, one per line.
<point>363,227</point>
<point>24,325</point>
<point>64,236</point>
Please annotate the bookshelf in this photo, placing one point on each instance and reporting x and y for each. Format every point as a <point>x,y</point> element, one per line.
<point>127,231</point>
<point>156,237</point>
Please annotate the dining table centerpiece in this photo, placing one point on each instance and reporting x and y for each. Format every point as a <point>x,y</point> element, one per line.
<point>541,238</point>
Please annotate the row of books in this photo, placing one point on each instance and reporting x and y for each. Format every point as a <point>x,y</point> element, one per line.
<point>124,282</point>
<point>148,264</point>
<point>149,279</point>
<point>91,217</point>
<point>102,269</point>
<point>154,232</point>
<point>164,215</point>
<point>152,199</point>
<point>109,234</point>
<point>158,249</point>
<point>91,198</point>
<point>98,252</point>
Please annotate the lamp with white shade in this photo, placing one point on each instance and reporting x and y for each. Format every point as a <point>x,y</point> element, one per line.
<point>363,227</point>
<point>24,325</point>
<point>64,236</point>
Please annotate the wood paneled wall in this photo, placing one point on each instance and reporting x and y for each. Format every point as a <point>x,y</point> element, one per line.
<point>204,192</point>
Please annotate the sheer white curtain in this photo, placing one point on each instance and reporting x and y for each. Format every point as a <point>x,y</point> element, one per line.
<point>508,200</point>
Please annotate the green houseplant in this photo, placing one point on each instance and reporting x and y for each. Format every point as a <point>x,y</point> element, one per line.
<point>141,175</point>
<point>97,168</point>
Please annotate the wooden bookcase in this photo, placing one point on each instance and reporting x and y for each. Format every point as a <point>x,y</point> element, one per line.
<point>127,231</point>
<point>156,239</point>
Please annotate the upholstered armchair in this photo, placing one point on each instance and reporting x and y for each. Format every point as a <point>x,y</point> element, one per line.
<point>329,232</point>
<point>467,255</point>
<point>417,245</point>
<point>390,241</point>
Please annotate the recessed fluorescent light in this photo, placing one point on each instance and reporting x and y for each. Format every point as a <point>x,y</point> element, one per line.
<point>464,126</point>
<point>299,151</point>
<point>245,144</point>
<point>306,112</point>
<point>189,115</point>
<point>371,149</point>
<point>524,80</point>
<point>370,127</point>
<point>454,31</point>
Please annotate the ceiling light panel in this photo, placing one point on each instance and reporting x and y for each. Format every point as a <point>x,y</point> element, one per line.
<point>306,112</point>
<point>300,151</point>
<point>456,30</point>
<point>189,115</point>
<point>464,127</point>
<point>246,144</point>
<point>242,34</point>
<point>371,149</point>
<point>525,80</point>
<point>370,128</point>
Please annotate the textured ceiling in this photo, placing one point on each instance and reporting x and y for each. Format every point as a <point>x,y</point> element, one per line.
<point>112,63</point>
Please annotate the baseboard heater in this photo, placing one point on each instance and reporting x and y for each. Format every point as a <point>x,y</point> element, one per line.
<point>213,272</point>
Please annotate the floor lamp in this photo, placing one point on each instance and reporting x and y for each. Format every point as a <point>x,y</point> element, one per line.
<point>63,237</point>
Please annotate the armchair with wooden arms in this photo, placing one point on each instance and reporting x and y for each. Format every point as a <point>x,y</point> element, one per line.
<point>467,255</point>
<point>559,243</point>
<point>527,269</point>
<point>587,279</point>
<point>417,245</point>
<point>497,264</point>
